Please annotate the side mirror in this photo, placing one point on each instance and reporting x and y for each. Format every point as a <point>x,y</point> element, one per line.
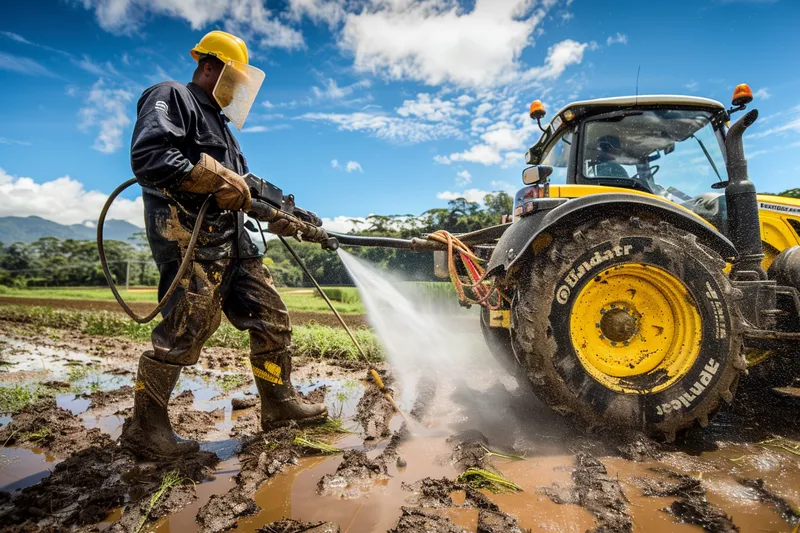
<point>536,174</point>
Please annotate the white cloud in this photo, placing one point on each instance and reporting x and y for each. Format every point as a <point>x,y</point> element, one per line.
<point>619,38</point>
<point>250,19</point>
<point>331,12</point>
<point>386,127</point>
<point>502,143</point>
<point>692,85</point>
<point>24,65</point>
<point>436,41</point>
<point>430,109</point>
<point>442,159</point>
<point>471,195</point>
<point>762,94</point>
<point>106,111</point>
<point>343,224</point>
<point>268,104</point>
<point>332,91</point>
<point>6,140</point>
<point>464,100</point>
<point>559,56</point>
<point>63,200</point>
<point>353,166</point>
<point>334,163</point>
<point>463,178</point>
<point>89,65</point>
<point>791,124</point>
<point>255,129</point>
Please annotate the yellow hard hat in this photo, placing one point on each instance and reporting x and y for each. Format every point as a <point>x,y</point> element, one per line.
<point>222,45</point>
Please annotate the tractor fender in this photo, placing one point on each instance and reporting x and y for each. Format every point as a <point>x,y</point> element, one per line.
<point>516,241</point>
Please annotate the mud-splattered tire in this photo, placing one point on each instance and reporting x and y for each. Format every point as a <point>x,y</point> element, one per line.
<point>595,310</point>
<point>499,342</point>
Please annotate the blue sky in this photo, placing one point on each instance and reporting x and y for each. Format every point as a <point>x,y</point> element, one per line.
<point>383,106</point>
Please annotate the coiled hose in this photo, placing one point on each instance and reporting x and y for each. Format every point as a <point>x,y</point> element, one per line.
<point>187,257</point>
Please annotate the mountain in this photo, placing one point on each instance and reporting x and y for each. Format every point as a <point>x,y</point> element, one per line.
<point>29,229</point>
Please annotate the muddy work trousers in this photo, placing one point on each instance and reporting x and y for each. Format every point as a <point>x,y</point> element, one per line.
<point>242,289</point>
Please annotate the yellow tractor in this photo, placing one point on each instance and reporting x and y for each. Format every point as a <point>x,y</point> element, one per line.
<point>643,273</point>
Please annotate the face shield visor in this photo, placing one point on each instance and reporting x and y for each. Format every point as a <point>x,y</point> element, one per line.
<point>236,90</point>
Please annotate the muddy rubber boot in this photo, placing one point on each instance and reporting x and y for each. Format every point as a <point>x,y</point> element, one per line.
<point>280,403</point>
<point>148,433</point>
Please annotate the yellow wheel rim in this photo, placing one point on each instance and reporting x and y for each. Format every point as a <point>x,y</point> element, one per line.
<point>634,320</point>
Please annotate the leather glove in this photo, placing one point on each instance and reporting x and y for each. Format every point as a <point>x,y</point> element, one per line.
<point>209,177</point>
<point>307,216</point>
<point>284,227</point>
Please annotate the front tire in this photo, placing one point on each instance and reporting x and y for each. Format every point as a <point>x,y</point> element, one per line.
<point>628,323</point>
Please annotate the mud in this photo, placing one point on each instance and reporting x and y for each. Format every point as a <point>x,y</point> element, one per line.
<point>692,506</point>
<point>740,472</point>
<point>374,412</point>
<point>295,526</point>
<point>51,429</point>
<point>260,459</point>
<point>595,491</point>
<point>419,520</point>
<point>781,506</point>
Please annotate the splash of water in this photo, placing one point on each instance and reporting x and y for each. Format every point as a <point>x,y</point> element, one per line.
<point>417,339</point>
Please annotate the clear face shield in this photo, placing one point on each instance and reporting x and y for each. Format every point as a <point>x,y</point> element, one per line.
<point>236,90</point>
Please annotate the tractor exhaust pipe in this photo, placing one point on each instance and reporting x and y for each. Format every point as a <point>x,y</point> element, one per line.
<point>740,194</point>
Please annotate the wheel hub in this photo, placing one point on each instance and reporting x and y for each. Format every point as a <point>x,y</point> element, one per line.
<point>617,324</point>
<point>635,321</point>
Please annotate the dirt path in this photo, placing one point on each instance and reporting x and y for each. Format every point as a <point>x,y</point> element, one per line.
<point>297,317</point>
<point>61,470</point>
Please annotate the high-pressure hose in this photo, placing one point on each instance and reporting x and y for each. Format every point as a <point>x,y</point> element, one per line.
<point>187,257</point>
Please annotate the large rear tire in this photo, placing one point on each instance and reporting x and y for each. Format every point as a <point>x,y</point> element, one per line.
<point>628,323</point>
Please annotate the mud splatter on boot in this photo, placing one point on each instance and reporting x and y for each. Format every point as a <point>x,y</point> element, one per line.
<point>148,433</point>
<point>280,402</point>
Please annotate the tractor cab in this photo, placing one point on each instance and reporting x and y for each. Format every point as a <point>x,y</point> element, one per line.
<point>669,146</point>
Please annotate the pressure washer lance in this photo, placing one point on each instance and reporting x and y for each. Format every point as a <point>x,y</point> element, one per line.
<point>374,373</point>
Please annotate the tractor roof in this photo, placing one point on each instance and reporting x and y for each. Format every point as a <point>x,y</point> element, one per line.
<point>645,100</point>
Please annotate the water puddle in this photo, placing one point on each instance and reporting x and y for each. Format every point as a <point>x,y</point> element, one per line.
<point>20,468</point>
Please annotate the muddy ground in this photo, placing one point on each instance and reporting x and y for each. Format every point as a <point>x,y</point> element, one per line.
<point>61,470</point>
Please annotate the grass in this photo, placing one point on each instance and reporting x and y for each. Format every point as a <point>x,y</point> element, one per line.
<point>17,397</point>
<point>229,382</point>
<point>312,340</point>
<point>295,299</point>
<point>483,479</point>
<point>170,480</point>
<point>317,446</point>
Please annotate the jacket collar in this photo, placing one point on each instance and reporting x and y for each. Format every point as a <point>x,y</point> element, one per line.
<point>201,96</point>
<point>202,99</point>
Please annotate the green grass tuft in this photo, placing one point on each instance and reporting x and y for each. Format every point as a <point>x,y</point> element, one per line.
<point>318,446</point>
<point>170,480</point>
<point>479,478</point>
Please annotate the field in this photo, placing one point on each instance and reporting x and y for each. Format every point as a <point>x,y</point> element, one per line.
<point>295,299</point>
<point>480,453</point>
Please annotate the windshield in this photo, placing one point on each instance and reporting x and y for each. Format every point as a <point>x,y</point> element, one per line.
<point>673,153</point>
<point>558,157</point>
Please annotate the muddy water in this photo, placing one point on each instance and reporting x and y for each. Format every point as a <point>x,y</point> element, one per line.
<point>512,421</point>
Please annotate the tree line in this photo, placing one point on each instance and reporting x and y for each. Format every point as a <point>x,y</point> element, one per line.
<point>51,262</point>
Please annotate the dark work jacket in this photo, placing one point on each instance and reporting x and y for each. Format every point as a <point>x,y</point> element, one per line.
<point>175,124</point>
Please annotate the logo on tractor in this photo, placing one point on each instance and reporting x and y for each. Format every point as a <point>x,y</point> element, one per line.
<point>576,274</point>
<point>687,398</point>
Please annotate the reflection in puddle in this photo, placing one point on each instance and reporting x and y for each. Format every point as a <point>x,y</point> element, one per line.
<point>22,468</point>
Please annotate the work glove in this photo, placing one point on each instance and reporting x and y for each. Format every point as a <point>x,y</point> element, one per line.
<point>284,227</point>
<point>209,177</point>
<point>307,216</point>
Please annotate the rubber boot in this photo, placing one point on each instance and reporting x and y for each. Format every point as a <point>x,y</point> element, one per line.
<point>280,403</point>
<point>148,433</point>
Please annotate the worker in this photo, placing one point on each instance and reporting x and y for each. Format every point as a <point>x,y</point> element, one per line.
<point>182,151</point>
